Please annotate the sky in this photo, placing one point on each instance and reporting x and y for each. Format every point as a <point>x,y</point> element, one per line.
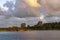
<point>4,1</point>
<point>15,12</point>
<point>7,21</point>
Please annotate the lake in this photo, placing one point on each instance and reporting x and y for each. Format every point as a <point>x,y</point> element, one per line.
<point>32,35</point>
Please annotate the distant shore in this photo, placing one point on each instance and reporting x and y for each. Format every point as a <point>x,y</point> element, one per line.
<point>32,31</point>
<point>38,27</point>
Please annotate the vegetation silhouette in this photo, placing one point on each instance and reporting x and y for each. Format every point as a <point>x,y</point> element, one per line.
<point>38,26</point>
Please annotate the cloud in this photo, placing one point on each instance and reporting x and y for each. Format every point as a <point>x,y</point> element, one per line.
<point>51,19</point>
<point>52,7</point>
<point>15,21</point>
<point>27,8</point>
<point>23,8</point>
<point>9,4</point>
<point>1,12</point>
<point>32,3</point>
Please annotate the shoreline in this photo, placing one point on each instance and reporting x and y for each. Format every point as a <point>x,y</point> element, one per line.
<point>31,31</point>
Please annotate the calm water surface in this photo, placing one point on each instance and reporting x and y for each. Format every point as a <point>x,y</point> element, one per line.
<point>32,35</point>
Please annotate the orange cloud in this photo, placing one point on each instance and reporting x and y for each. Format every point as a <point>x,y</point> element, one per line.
<point>32,3</point>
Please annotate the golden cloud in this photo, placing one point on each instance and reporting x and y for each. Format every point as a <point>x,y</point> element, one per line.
<point>32,3</point>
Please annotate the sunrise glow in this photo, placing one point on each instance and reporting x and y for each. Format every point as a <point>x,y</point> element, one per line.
<point>32,3</point>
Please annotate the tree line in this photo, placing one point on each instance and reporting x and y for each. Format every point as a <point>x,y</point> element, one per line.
<point>38,26</point>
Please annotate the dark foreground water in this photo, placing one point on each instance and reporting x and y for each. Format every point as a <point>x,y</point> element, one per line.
<point>33,35</point>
